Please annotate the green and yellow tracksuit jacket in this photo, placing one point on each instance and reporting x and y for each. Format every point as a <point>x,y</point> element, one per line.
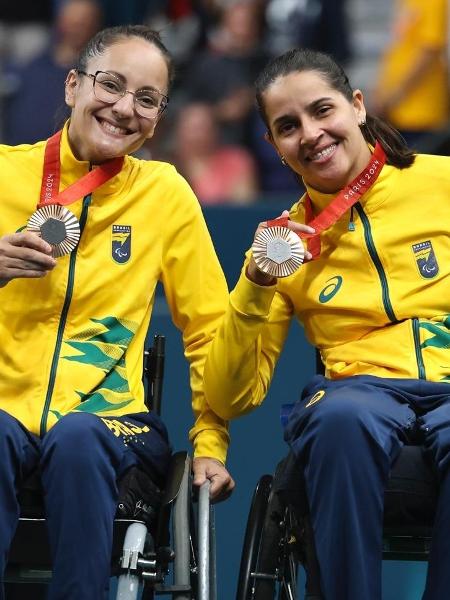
<point>376,301</point>
<point>73,340</point>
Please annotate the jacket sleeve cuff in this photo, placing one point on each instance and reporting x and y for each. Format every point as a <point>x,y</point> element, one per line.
<point>211,443</point>
<point>251,299</point>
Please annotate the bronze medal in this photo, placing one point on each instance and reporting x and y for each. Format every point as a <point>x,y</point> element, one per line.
<point>57,226</point>
<point>278,251</point>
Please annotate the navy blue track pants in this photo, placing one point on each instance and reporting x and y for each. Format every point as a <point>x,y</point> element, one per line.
<point>80,459</point>
<point>346,434</point>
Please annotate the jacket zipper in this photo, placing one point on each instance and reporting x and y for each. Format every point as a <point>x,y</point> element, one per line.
<point>419,358</point>
<point>377,262</point>
<point>63,319</point>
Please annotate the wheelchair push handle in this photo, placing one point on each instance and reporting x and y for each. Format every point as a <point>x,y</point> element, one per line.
<point>206,544</point>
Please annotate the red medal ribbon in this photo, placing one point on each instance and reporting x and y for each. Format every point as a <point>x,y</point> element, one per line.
<point>340,204</point>
<point>88,183</point>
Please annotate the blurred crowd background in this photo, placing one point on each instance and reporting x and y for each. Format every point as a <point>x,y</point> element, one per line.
<point>394,50</point>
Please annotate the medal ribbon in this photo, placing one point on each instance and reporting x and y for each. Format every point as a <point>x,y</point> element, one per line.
<point>346,198</point>
<point>88,183</point>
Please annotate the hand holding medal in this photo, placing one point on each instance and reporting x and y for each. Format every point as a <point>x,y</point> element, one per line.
<point>277,252</point>
<point>57,226</point>
<point>277,249</point>
<point>24,255</point>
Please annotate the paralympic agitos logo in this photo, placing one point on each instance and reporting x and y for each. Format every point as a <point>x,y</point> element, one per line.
<point>121,243</point>
<point>426,259</point>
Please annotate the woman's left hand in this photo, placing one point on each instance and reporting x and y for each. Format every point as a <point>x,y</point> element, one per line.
<point>222,483</point>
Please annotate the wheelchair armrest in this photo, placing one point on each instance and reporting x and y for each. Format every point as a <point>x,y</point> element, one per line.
<point>179,462</point>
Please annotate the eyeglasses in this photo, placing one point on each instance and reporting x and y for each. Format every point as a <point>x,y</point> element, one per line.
<point>108,88</point>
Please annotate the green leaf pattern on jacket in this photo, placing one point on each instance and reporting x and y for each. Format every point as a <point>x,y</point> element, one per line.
<point>103,346</point>
<point>440,337</point>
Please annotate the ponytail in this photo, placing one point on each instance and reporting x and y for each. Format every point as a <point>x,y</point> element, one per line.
<point>397,152</point>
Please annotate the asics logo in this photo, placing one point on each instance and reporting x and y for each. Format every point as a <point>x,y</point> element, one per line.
<point>317,396</point>
<point>331,289</point>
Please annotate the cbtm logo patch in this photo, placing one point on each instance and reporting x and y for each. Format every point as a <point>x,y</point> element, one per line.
<point>425,259</point>
<point>121,243</point>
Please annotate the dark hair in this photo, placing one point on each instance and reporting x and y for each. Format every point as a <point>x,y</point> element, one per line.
<point>112,35</point>
<point>301,59</point>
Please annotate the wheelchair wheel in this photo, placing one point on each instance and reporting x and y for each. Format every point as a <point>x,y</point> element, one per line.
<point>252,537</point>
<point>276,565</point>
<point>268,565</point>
<point>288,563</point>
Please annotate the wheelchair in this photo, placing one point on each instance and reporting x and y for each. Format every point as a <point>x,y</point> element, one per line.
<point>279,537</point>
<point>165,550</point>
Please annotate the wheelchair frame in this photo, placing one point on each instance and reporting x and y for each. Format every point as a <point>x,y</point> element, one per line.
<point>139,558</point>
<point>267,560</point>
<point>279,537</point>
<point>278,522</point>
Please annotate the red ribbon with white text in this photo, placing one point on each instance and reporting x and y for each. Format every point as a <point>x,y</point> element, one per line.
<point>346,198</point>
<point>88,183</point>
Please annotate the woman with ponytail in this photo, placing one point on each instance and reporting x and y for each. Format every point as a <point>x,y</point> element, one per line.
<point>373,295</point>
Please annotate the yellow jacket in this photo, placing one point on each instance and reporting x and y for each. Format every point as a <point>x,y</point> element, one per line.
<point>376,301</point>
<point>73,340</point>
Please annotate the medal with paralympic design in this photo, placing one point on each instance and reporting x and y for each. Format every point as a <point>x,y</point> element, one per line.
<point>277,251</point>
<point>57,226</point>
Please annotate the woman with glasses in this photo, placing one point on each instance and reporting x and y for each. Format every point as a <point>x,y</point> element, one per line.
<point>87,231</point>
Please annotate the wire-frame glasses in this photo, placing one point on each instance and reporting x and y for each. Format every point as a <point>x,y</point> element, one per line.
<point>108,88</point>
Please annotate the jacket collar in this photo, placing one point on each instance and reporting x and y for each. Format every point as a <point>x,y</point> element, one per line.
<point>73,169</point>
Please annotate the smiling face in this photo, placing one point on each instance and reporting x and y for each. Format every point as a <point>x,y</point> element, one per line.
<point>99,131</point>
<point>316,129</point>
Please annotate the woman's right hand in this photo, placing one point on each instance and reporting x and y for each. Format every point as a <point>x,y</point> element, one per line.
<point>24,254</point>
<point>255,274</point>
